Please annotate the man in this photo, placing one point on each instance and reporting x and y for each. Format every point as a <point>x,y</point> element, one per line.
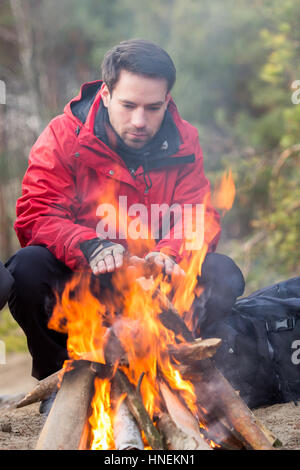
<point>120,137</point>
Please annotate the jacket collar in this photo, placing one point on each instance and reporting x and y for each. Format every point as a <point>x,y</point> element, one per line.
<point>164,144</point>
<point>85,107</point>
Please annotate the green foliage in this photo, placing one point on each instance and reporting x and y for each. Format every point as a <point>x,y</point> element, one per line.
<point>281,219</point>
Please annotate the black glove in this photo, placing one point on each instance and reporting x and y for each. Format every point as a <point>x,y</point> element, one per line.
<point>102,255</point>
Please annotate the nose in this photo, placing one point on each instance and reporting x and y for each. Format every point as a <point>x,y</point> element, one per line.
<point>138,119</point>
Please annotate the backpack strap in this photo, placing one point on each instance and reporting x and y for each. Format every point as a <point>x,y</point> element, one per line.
<point>274,326</point>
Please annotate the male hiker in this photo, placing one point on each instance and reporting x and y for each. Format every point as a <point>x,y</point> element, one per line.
<point>121,139</point>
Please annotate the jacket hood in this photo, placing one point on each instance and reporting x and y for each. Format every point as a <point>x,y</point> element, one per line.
<point>82,104</point>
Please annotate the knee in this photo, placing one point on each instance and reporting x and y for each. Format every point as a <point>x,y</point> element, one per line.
<point>6,283</point>
<point>31,268</point>
<point>29,261</point>
<point>224,274</point>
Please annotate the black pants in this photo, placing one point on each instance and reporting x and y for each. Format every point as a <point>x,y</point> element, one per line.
<point>6,282</point>
<point>38,274</point>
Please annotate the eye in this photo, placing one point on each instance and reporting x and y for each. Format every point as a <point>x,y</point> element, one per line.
<point>128,106</point>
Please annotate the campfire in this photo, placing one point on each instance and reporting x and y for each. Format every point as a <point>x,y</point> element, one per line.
<point>137,378</point>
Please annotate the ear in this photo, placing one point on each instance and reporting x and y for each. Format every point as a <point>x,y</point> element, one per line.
<point>105,94</point>
<point>168,97</point>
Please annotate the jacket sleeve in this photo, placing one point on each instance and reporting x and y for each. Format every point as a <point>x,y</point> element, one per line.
<point>6,282</point>
<point>192,193</point>
<point>46,211</point>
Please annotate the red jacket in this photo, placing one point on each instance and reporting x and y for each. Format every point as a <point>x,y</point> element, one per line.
<point>71,172</point>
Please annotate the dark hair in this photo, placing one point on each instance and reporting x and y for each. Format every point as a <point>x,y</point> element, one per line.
<point>140,57</point>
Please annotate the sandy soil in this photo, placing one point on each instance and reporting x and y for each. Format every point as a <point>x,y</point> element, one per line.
<point>19,429</point>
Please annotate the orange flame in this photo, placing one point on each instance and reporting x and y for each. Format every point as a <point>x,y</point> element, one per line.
<point>101,420</point>
<point>86,320</point>
<point>224,193</point>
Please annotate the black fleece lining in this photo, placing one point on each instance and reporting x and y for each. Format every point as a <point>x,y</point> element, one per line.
<point>153,165</point>
<point>152,155</point>
<point>81,108</point>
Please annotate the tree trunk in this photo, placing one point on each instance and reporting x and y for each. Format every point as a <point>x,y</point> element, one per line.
<point>22,14</point>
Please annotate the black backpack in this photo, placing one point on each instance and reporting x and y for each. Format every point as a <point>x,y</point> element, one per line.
<point>260,351</point>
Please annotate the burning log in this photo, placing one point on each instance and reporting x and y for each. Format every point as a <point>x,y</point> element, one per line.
<point>175,438</point>
<point>210,381</point>
<point>42,390</point>
<point>186,352</point>
<point>197,350</point>
<point>136,407</point>
<point>214,392</point>
<point>219,433</point>
<point>237,413</point>
<point>169,316</point>
<point>47,386</point>
<point>65,424</point>
<point>126,431</point>
<point>171,319</point>
<point>211,396</point>
<point>217,401</point>
<point>183,419</point>
<point>215,427</point>
<point>214,395</point>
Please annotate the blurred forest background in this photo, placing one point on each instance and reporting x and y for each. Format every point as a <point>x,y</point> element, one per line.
<point>236,62</point>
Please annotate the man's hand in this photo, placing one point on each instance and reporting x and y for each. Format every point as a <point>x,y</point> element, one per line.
<point>165,263</point>
<point>106,258</point>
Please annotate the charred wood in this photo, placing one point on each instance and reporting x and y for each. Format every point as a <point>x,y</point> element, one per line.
<point>182,418</point>
<point>214,393</point>
<point>136,407</point>
<point>197,350</point>
<point>175,438</point>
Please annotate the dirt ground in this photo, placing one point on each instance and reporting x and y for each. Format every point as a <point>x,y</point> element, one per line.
<point>19,429</point>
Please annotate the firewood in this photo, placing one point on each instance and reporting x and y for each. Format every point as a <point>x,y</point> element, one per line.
<point>174,437</point>
<point>47,386</point>
<point>182,417</point>
<point>274,441</point>
<point>213,391</point>
<point>42,390</point>
<point>225,397</point>
<point>67,418</point>
<point>197,350</point>
<point>169,316</point>
<point>218,432</point>
<point>171,319</point>
<point>216,429</point>
<point>126,431</point>
<point>136,407</point>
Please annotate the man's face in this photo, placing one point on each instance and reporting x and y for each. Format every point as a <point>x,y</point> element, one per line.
<point>136,107</point>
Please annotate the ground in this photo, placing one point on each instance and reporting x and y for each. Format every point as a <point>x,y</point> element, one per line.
<point>19,429</point>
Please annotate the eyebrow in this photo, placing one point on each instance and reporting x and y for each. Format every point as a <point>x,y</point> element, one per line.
<point>158,103</point>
